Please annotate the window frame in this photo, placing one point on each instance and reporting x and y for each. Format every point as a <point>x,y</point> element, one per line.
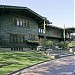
<point>21,22</point>
<point>17,38</point>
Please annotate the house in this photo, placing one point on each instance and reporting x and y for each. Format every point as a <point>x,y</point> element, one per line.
<point>20,27</point>
<point>51,33</point>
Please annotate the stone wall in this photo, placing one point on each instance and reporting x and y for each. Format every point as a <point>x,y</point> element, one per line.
<point>15,49</point>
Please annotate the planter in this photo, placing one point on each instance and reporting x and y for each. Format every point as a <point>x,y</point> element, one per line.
<point>72,50</point>
<point>54,56</point>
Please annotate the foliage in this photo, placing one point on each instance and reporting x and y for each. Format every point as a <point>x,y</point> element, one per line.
<point>71,44</point>
<point>62,44</point>
<point>46,42</point>
<point>43,42</point>
<point>49,43</point>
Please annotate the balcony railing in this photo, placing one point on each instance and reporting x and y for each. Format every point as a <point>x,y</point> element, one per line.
<point>49,35</point>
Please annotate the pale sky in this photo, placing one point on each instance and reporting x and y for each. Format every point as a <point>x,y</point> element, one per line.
<point>59,12</point>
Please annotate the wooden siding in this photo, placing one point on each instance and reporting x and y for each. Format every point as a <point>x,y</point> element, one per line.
<point>7,27</point>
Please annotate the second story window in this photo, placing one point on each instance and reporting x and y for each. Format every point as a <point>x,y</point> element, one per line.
<point>21,22</point>
<point>24,23</point>
<point>18,22</point>
<point>41,30</point>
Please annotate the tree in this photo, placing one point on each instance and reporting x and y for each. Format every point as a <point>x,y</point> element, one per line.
<point>49,43</point>
<point>43,42</point>
<point>46,42</point>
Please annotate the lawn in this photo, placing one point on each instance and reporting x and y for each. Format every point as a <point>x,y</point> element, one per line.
<point>11,61</point>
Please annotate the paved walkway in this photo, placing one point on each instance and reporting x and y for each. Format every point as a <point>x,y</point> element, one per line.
<point>62,66</point>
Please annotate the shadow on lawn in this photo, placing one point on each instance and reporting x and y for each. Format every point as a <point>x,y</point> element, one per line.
<point>3,64</point>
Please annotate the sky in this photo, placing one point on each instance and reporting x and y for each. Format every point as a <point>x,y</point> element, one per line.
<point>59,12</point>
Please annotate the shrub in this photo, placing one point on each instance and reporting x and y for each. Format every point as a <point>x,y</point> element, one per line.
<point>63,44</point>
<point>49,43</point>
<point>71,44</point>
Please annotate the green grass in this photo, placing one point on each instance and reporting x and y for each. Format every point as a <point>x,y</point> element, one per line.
<point>12,61</point>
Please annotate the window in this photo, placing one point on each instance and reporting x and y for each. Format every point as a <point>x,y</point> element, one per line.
<point>24,23</point>
<point>21,22</point>
<point>40,30</point>
<point>17,38</point>
<point>11,38</point>
<point>18,22</point>
<point>31,36</point>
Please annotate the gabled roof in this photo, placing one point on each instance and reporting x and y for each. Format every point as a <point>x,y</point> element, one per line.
<point>23,11</point>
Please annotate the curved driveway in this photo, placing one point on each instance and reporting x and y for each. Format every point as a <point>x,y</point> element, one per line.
<point>61,66</point>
